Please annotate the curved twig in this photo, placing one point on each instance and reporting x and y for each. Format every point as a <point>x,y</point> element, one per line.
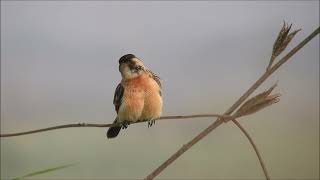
<point>254,147</point>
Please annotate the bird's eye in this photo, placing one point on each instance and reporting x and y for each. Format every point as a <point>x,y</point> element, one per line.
<point>121,61</point>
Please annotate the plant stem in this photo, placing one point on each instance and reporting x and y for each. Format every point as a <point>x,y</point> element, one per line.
<point>219,121</point>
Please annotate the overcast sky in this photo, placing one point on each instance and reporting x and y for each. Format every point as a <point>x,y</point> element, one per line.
<point>59,64</point>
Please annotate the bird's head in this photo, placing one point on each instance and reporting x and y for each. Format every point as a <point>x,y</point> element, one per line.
<point>130,66</point>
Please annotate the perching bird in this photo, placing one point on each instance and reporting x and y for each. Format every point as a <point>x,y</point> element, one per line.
<point>137,97</point>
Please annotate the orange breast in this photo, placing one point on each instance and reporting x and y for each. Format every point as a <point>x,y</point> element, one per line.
<point>133,100</point>
<point>142,99</point>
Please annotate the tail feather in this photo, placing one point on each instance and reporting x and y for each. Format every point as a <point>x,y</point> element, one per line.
<point>113,131</point>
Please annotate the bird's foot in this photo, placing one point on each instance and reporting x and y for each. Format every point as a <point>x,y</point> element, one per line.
<point>125,124</point>
<point>151,122</point>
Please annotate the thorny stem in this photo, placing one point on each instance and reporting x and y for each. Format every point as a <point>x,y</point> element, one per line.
<point>219,121</point>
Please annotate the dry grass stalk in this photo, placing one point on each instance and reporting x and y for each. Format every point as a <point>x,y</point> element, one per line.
<point>219,121</point>
<point>255,148</point>
<point>282,41</point>
<point>258,103</point>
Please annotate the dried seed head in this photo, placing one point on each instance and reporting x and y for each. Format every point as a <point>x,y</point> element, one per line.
<point>278,44</point>
<point>257,103</point>
<point>282,41</point>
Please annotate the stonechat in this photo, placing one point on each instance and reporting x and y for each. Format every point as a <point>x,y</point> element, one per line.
<point>137,97</point>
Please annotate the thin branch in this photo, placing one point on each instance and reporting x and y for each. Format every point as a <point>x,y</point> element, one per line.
<point>162,118</point>
<point>102,125</point>
<point>254,147</point>
<point>219,121</point>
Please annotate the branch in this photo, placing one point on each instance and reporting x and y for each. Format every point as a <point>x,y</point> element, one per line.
<point>104,125</point>
<point>254,147</point>
<point>162,118</point>
<point>219,121</point>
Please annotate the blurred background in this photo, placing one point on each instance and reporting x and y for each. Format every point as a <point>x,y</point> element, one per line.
<point>59,65</point>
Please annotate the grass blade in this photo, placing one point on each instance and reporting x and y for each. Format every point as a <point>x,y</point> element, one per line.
<point>44,171</point>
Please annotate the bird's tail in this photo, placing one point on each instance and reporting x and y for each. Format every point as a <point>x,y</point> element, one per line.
<point>113,131</point>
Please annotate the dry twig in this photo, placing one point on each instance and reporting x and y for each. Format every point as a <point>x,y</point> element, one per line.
<point>162,118</point>
<point>104,125</point>
<point>254,147</point>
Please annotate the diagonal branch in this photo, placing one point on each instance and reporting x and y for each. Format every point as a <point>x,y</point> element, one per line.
<point>219,121</point>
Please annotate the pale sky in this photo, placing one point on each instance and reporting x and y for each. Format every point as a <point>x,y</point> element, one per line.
<point>59,65</point>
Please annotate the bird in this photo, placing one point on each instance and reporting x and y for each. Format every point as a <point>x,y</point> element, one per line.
<point>138,97</point>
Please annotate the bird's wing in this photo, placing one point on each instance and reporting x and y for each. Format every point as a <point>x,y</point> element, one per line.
<point>155,78</point>
<point>118,94</point>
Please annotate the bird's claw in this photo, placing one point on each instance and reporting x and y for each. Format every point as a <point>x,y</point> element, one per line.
<point>151,122</point>
<point>125,124</point>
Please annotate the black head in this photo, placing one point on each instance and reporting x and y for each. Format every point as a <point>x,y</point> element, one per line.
<point>126,58</point>
<point>130,66</point>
